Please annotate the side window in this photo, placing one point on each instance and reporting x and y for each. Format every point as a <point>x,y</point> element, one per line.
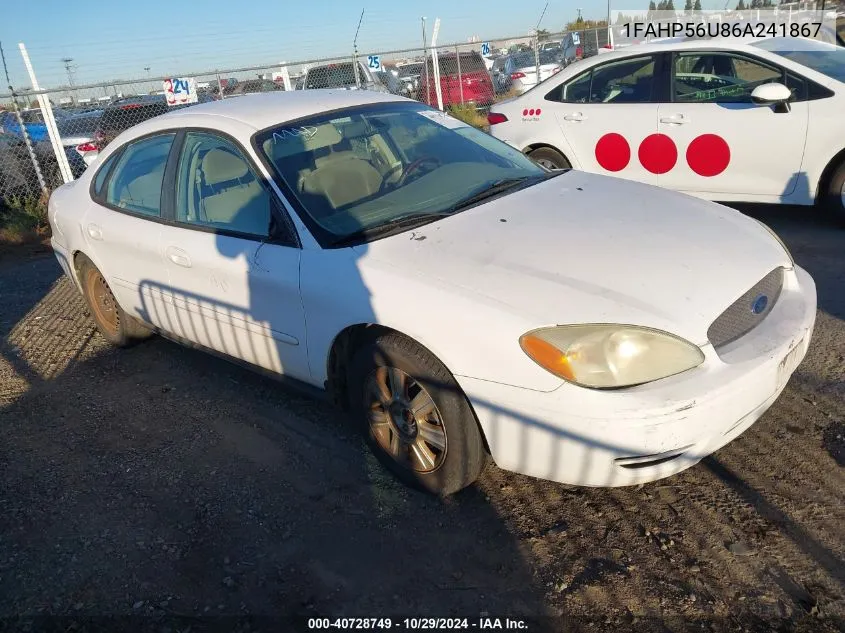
<point>626,81</point>
<point>216,187</point>
<point>100,178</point>
<point>719,78</point>
<point>136,182</point>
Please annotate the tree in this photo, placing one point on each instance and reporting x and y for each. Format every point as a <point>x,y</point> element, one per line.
<point>697,5</point>
<point>740,6</point>
<point>688,7</point>
<point>651,9</point>
<point>542,34</point>
<point>670,6</point>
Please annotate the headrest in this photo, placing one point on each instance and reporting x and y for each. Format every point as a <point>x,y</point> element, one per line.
<point>291,141</point>
<point>218,166</point>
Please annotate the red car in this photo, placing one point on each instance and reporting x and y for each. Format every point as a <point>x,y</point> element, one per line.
<point>463,79</point>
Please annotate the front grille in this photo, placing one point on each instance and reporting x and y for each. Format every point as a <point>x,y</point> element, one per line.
<point>746,313</point>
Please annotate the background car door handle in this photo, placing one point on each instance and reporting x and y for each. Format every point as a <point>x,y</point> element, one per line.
<point>178,256</point>
<point>677,119</point>
<point>575,116</point>
<point>95,232</point>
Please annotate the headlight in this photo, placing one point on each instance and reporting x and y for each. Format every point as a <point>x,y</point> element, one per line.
<point>779,241</point>
<point>609,356</point>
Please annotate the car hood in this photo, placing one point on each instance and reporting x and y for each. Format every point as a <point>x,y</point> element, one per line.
<point>584,248</point>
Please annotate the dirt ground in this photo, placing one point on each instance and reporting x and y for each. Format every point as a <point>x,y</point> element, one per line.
<point>164,483</point>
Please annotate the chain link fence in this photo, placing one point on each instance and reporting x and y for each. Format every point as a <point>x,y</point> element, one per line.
<point>464,78</point>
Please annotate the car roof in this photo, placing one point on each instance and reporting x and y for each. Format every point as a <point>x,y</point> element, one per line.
<point>678,43</point>
<point>266,109</point>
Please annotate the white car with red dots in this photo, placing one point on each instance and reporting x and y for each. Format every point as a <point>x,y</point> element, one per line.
<point>726,120</point>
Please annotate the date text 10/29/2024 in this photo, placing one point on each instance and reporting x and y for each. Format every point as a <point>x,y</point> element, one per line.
<point>418,624</point>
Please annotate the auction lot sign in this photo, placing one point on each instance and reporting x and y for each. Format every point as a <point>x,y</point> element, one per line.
<point>807,27</point>
<point>180,90</point>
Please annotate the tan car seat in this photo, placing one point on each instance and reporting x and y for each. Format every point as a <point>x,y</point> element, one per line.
<point>243,205</point>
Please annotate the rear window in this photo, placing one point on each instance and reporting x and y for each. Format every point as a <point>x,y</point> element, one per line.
<point>122,117</point>
<point>332,76</point>
<point>470,62</point>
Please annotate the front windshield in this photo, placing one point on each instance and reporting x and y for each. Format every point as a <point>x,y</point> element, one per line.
<point>372,165</point>
<point>823,58</point>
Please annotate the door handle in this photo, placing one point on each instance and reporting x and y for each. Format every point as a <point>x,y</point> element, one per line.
<point>178,256</point>
<point>575,116</point>
<point>676,119</point>
<point>95,232</point>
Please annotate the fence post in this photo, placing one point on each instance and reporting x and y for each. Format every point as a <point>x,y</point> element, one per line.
<point>460,77</point>
<point>47,113</point>
<point>436,63</point>
<point>220,86</point>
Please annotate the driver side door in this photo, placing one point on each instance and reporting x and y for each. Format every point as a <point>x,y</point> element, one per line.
<point>608,116</point>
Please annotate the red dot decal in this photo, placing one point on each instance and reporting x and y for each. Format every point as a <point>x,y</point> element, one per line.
<point>613,152</point>
<point>538,112</point>
<point>658,153</point>
<point>531,112</point>
<point>708,155</point>
<point>525,112</point>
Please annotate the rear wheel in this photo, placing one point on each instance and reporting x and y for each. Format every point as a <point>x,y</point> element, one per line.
<point>414,416</point>
<point>834,196</point>
<point>117,327</point>
<point>549,158</point>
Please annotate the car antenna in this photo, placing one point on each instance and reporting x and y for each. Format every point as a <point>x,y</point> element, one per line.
<point>355,50</point>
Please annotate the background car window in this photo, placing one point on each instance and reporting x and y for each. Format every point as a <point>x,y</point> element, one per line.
<point>100,178</point>
<point>719,78</point>
<point>216,187</point>
<point>626,81</point>
<point>136,183</point>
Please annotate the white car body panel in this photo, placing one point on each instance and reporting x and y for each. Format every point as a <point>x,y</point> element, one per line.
<point>578,248</point>
<point>774,157</point>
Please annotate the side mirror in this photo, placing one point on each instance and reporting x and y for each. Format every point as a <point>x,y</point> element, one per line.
<point>772,94</point>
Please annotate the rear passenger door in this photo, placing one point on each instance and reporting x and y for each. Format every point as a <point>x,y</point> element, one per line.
<point>121,225</point>
<point>608,116</point>
<point>232,258</point>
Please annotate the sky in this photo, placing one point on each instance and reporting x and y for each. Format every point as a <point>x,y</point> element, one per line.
<point>120,39</point>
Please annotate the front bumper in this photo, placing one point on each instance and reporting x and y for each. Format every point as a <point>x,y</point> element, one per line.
<point>630,436</point>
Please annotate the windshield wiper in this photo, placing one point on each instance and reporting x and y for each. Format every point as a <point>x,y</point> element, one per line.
<point>492,190</point>
<point>396,225</point>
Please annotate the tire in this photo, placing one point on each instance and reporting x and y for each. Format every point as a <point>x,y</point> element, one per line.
<point>548,157</point>
<point>117,327</point>
<point>834,195</point>
<point>408,444</point>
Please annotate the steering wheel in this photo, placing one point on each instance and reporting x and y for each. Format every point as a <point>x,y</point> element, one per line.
<point>415,166</point>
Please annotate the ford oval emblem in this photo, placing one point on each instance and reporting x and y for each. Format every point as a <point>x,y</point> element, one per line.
<point>758,306</point>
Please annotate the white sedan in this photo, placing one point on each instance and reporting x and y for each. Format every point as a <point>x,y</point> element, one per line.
<point>459,299</point>
<point>721,120</point>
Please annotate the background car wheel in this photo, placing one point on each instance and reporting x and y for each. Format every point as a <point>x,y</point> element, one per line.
<point>414,416</point>
<point>549,158</point>
<point>834,199</point>
<point>117,327</point>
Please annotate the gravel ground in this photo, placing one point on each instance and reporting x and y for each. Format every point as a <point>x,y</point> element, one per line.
<point>162,482</point>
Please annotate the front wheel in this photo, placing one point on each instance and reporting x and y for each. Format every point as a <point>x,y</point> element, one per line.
<point>414,416</point>
<point>834,196</point>
<point>549,158</point>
